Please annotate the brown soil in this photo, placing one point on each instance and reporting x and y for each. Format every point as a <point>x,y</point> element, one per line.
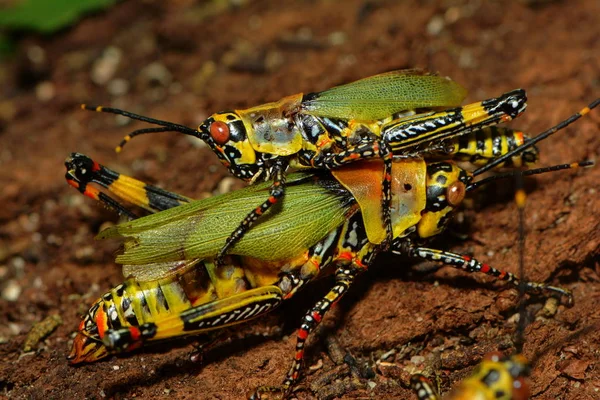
<point>181,62</point>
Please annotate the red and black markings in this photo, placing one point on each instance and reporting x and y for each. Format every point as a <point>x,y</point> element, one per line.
<point>82,171</point>
<point>470,264</point>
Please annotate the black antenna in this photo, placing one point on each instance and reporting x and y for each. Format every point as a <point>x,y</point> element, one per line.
<point>166,125</point>
<point>536,171</point>
<point>538,138</point>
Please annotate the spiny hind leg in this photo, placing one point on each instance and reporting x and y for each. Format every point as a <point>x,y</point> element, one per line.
<point>344,277</point>
<point>470,264</point>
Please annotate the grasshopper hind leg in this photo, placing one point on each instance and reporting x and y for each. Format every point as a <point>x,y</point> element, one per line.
<point>344,277</point>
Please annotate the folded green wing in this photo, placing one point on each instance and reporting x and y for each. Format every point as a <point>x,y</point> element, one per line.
<point>306,214</point>
<point>378,97</point>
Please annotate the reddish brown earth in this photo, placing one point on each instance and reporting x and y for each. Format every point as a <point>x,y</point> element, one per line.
<point>183,61</point>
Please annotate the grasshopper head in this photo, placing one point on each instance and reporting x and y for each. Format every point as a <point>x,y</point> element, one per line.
<point>446,189</point>
<point>498,376</point>
<point>227,136</point>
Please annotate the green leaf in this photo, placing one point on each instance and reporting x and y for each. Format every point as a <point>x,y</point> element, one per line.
<point>47,16</point>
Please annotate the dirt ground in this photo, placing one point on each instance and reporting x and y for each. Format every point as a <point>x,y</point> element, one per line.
<point>183,60</point>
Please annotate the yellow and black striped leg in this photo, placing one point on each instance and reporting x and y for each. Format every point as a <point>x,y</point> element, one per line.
<point>82,171</point>
<point>470,264</point>
<point>275,194</point>
<point>409,134</point>
<point>423,388</point>
<point>344,277</point>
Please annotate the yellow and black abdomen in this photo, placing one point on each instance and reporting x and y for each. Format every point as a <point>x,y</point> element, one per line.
<point>483,145</point>
<point>139,304</point>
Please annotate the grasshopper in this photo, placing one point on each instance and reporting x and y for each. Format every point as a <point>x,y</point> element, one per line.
<point>322,228</point>
<point>399,113</point>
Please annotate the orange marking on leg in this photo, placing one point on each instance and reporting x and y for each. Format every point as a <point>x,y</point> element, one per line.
<point>302,333</point>
<point>73,183</point>
<point>272,200</point>
<point>92,193</point>
<point>323,142</point>
<point>519,138</point>
<point>360,264</point>
<point>315,263</point>
<point>317,317</point>
<point>135,333</point>
<point>101,322</point>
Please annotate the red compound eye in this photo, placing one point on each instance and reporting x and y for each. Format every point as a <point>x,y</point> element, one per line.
<point>219,131</point>
<point>456,193</point>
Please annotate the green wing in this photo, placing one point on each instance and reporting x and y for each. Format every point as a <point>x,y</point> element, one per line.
<point>306,214</point>
<point>378,97</point>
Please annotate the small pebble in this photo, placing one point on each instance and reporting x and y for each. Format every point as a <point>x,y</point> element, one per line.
<point>106,66</point>
<point>11,291</point>
<point>417,360</point>
<point>45,91</point>
<point>435,25</point>
<point>118,87</point>
<point>337,38</point>
<point>225,185</point>
<point>156,73</point>
<point>36,54</point>
<point>85,253</point>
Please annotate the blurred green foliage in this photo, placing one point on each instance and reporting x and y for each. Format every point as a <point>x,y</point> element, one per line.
<point>43,16</point>
<point>47,16</point>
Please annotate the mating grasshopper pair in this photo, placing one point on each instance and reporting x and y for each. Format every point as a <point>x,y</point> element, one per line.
<point>325,224</point>
<point>391,114</point>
